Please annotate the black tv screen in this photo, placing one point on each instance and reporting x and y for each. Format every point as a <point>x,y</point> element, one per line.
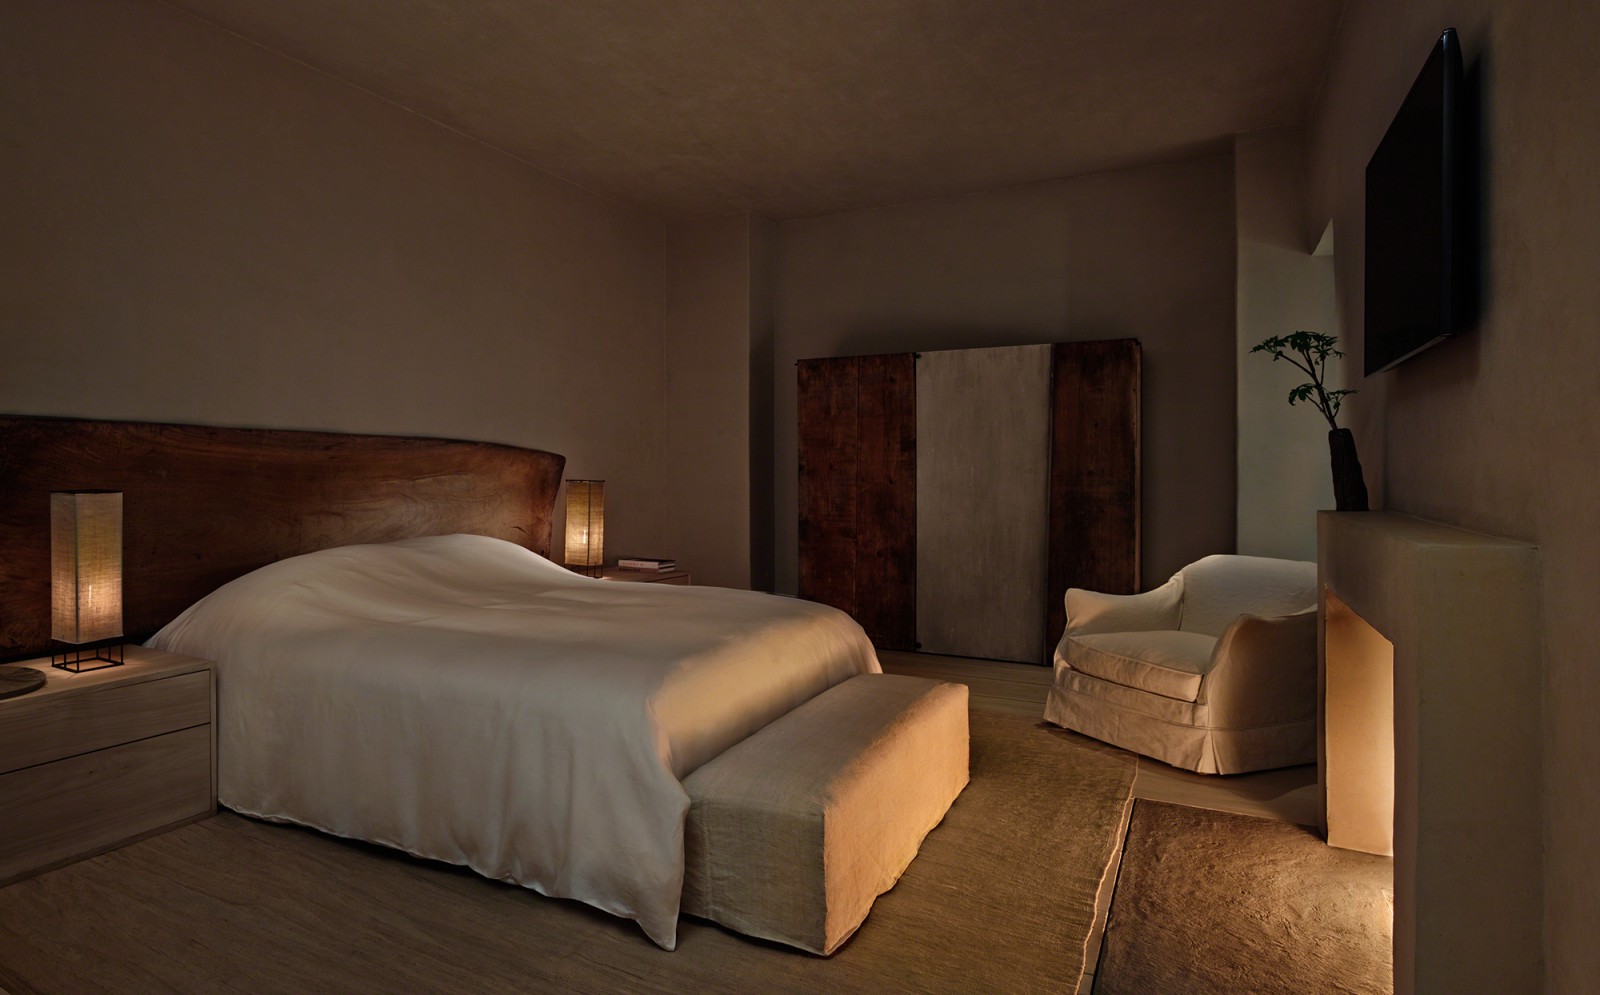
<point>1413,250</point>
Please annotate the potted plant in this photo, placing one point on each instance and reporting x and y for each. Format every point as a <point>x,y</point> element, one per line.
<point>1313,350</point>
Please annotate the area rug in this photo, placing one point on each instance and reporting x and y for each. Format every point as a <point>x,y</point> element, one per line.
<point>1001,898</point>
<point>1213,902</point>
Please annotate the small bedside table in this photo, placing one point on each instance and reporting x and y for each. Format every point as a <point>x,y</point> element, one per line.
<point>94,760</point>
<point>678,577</point>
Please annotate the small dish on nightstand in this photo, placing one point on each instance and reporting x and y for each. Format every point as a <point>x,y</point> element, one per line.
<point>17,681</point>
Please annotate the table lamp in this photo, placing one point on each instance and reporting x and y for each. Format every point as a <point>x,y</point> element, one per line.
<point>86,579</point>
<point>586,526</point>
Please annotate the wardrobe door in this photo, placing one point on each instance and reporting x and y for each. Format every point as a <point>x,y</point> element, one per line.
<point>886,500</point>
<point>983,447</point>
<point>827,392</point>
<point>1094,472</point>
<point>858,455</point>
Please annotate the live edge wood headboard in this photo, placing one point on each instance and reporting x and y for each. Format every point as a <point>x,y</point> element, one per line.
<point>203,505</point>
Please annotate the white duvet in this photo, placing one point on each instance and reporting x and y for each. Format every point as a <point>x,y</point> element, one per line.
<point>464,699</point>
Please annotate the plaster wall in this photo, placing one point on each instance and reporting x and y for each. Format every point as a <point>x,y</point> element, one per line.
<point>197,230</point>
<point>763,251</point>
<point>1284,472</point>
<point>706,489</point>
<point>1144,253</point>
<point>1497,429</point>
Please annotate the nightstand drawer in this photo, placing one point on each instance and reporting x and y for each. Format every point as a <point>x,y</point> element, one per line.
<point>72,808</point>
<point>100,717</point>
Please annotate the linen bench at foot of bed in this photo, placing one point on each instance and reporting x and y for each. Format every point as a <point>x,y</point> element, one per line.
<point>794,832</point>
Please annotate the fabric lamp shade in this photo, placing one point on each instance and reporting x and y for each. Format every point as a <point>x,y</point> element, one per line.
<point>86,565</point>
<point>586,523</point>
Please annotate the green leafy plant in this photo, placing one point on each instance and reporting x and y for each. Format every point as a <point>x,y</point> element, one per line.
<point>1313,350</point>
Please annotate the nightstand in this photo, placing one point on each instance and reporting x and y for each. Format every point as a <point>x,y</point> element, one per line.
<point>678,577</point>
<point>94,760</point>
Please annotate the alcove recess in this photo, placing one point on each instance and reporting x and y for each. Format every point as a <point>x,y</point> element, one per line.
<point>1430,740</point>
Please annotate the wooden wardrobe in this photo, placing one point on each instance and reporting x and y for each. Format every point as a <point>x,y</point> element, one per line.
<point>948,499</point>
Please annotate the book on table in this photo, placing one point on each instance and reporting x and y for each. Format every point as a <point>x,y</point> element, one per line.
<point>647,563</point>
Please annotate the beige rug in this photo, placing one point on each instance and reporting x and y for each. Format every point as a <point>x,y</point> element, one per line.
<point>1001,898</point>
<point>1213,902</point>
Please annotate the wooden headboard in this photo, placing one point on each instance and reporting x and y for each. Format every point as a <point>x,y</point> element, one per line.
<point>202,505</point>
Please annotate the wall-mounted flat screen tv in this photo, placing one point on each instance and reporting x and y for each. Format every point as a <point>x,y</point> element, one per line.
<point>1413,242</point>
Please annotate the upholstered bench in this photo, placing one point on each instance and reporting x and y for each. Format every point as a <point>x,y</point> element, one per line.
<point>793,833</point>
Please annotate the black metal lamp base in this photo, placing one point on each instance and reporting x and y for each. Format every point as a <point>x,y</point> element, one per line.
<point>81,659</point>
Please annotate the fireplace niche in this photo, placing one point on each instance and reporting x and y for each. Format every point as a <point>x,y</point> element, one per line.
<point>1429,739</point>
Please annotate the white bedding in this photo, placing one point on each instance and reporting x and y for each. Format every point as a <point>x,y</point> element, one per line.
<point>464,699</point>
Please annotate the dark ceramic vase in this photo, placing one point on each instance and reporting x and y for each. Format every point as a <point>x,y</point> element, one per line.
<point>1349,487</point>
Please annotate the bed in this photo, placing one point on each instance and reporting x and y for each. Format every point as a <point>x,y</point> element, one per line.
<point>461,698</point>
<point>397,661</point>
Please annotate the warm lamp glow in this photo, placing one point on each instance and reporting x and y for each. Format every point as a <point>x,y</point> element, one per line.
<point>586,525</point>
<point>86,569</point>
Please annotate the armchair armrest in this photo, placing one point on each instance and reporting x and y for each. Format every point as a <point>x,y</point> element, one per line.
<point>1263,671</point>
<point>1091,611</point>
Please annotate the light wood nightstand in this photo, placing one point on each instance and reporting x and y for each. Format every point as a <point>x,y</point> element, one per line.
<point>94,760</point>
<point>678,577</point>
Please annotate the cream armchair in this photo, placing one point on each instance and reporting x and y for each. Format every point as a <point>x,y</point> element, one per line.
<point>1214,671</point>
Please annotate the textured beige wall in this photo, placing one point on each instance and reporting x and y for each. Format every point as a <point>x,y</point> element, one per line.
<point>1498,429</point>
<point>763,254</point>
<point>1142,253</point>
<point>196,230</point>
<point>706,486</point>
<point>1284,469</point>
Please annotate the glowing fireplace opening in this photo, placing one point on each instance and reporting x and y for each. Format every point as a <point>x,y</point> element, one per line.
<point>1358,731</point>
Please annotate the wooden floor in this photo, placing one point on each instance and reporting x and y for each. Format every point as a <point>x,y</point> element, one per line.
<point>1287,795</point>
<point>997,687</point>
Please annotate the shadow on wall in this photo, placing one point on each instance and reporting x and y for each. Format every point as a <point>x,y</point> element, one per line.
<point>1472,198</point>
<point>1453,365</point>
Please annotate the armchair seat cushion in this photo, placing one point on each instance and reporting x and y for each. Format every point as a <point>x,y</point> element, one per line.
<point>1164,662</point>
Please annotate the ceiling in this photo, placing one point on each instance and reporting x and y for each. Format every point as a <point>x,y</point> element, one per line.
<point>790,108</point>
